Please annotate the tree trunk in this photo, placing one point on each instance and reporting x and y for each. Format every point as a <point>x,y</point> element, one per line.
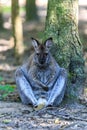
<point>62,25</point>
<point>31,10</point>
<point>1,17</point>
<point>17,29</point>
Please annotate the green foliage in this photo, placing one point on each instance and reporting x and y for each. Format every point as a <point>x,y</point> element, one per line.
<point>7,9</point>
<point>5,90</point>
<point>40,35</point>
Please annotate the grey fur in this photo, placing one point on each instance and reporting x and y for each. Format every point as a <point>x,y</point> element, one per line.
<point>37,80</point>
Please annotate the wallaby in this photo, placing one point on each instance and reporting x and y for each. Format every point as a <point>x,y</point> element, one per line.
<point>41,77</point>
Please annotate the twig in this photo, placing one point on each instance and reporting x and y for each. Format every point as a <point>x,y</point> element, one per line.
<point>67,117</point>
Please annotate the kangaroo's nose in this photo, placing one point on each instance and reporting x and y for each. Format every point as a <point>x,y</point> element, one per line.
<point>42,61</point>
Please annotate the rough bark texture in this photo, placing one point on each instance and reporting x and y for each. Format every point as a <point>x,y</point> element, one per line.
<point>31,10</point>
<point>62,25</point>
<point>17,29</point>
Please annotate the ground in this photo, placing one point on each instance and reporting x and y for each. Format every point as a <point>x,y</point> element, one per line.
<point>16,116</point>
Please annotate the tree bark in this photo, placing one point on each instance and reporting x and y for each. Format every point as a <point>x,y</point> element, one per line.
<point>31,10</point>
<point>17,29</point>
<point>1,17</point>
<point>62,25</point>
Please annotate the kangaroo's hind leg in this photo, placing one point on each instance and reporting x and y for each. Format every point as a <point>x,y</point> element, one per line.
<point>25,89</point>
<point>57,93</point>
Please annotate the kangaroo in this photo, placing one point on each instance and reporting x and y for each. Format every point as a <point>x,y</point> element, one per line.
<point>41,77</point>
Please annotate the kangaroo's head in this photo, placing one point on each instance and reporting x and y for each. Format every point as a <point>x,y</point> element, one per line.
<point>42,55</point>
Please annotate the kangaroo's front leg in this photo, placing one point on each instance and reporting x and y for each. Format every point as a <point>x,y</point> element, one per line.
<point>24,88</point>
<point>57,93</point>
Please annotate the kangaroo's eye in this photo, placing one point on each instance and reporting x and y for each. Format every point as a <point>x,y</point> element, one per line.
<point>46,54</point>
<point>37,54</point>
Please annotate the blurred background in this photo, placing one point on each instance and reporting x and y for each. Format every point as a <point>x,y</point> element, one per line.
<point>31,17</point>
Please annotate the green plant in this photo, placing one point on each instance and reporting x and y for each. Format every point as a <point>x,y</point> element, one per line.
<point>1,78</point>
<point>5,90</point>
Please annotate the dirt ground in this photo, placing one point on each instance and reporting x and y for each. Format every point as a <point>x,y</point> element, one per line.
<point>16,116</point>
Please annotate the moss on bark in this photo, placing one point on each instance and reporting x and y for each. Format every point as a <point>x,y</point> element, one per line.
<point>62,25</point>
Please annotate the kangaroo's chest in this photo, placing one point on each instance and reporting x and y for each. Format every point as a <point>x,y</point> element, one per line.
<point>43,75</point>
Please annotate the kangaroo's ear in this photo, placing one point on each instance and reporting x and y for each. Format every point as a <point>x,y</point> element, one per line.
<point>35,43</point>
<point>48,43</point>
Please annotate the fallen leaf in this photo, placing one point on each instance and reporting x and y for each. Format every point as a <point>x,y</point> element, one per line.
<point>57,121</point>
<point>6,121</point>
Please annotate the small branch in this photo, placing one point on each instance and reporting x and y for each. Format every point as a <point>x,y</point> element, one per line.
<point>67,117</point>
